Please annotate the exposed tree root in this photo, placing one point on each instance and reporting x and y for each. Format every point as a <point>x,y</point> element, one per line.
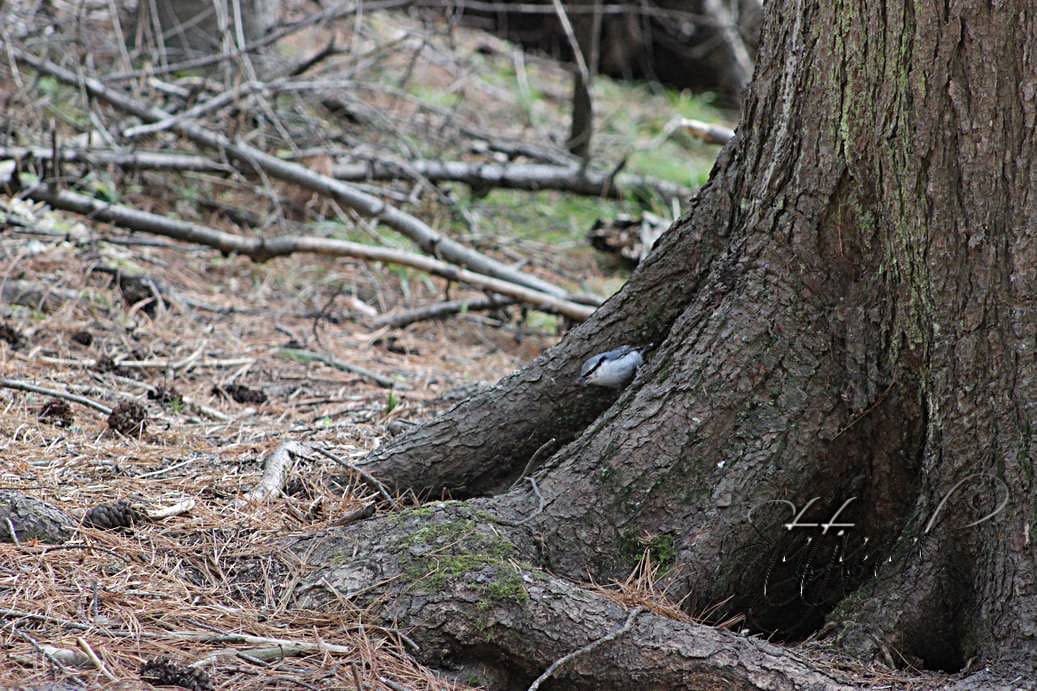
<point>464,589</point>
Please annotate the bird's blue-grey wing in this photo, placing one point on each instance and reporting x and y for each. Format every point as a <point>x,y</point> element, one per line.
<point>617,353</point>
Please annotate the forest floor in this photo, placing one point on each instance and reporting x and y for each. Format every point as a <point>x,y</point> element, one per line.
<point>216,362</point>
<point>229,358</point>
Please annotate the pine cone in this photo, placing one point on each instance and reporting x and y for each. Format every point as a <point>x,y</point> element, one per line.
<point>56,412</point>
<point>129,418</point>
<point>164,672</point>
<point>120,514</point>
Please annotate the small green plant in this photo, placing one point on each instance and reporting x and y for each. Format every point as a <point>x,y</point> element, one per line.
<point>391,401</point>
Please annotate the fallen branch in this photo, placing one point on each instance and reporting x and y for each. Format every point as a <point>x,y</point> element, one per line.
<point>440,310</point>
<point>96,661</point>
<point>249,159</point>
<point>225,99</point>
<point>174,510</point>
<point>54,393</point>
<point>520,176</point>
<point>367,477</point>
<point>274,648</point>
<point>482,142</point>
<point>310,356</point>
<point>262,250</point>
<point>65,657</point>
<point>275,473</point>
<point>158,363</point>
<point>711,134</point>
<point>130,160</point>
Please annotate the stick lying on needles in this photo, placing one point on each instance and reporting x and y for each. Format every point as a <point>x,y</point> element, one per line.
<point>440,310</point>
<point>261,249</point>
<point>247,158</point>
<point>520,176</point>
<point>130,160</point>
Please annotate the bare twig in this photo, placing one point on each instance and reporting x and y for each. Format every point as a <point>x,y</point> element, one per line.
<point>440,310</point>
<point>50,652</point>
<point>85,647</point>
<point>275,472</point>
<point>130,160</point>
<point>574,45</point>
<point>310,356</point>
<point>537,455</point>
<point>157,363</point>
<point>6,612</point>
<point>261,250</point>
<point>394,685</point>
<point>541,502</point>
<point>32,388</point>
<point>288,646</point>
<point>587,648</point>
<point>365,511</point>
<point>521,176</point>
<point>174,510</point>
<point>368,477</point>
<point>711,134</point>
<point>249,158</point>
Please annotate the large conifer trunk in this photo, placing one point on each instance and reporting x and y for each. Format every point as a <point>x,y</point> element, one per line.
<point>847,313</point>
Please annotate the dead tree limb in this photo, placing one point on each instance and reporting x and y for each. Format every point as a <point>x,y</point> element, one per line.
<point>440,310</point>
<point>310,356</point>
<point>249,158</point>
<point>711,134</point>
<point>130,160</point>
<point>520,176</point>
<point>262,249</point>
<point>54,393</point>
<point>276,467</point>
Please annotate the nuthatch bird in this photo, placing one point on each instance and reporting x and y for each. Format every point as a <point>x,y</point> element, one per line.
<point>613,368</point>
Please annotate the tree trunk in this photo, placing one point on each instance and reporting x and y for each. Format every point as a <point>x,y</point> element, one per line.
<point>845,313</point>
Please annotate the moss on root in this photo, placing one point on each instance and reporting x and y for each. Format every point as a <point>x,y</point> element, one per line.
<point>443,552</point>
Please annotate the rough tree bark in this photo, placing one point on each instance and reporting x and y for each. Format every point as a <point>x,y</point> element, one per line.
<point>845,313</point>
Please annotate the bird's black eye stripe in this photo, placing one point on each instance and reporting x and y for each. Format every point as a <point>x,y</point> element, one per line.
<point>595,367</point>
